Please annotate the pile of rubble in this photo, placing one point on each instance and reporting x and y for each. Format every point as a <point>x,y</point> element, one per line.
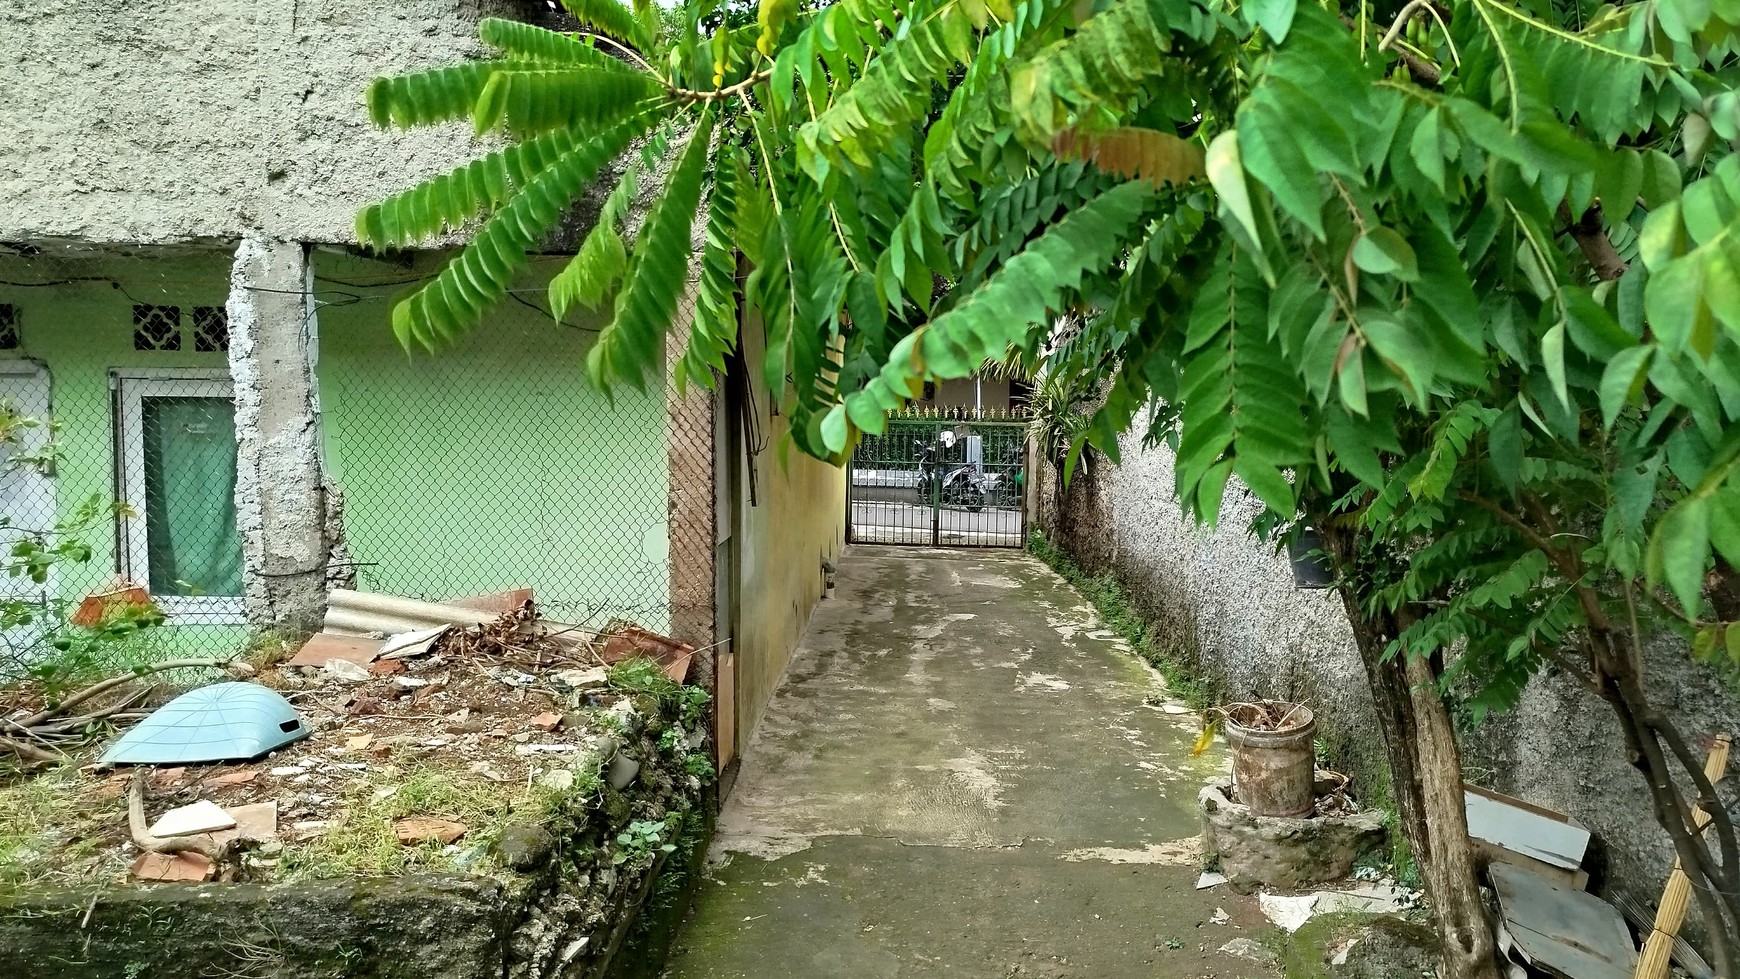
<point>423,730</point>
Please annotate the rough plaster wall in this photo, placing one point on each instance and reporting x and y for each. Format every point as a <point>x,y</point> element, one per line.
<point>798,521</point>
<point>164,120</point>
<point>1228,602</point>
<point>280,508</point>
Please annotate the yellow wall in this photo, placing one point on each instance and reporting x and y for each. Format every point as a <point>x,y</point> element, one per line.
<point>799,520</point>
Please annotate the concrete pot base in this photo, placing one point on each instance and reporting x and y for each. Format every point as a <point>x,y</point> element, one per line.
<point>1283,852</point>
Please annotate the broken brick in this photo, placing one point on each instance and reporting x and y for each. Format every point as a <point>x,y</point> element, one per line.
<point>412,830</point>
<point>172,867</point>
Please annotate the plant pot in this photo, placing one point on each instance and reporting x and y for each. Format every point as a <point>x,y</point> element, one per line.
<point>1272,770</point>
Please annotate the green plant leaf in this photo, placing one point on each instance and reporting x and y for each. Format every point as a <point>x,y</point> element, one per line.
<point>1622,380</point>
<point>527,102</point>
<point>473,282</point>
<point>1226,173</point>
<point>1275,17</point>
<point>631,345</point>
<point>1382,251</point>
<point>1678,551</point>
<point>528,42</point>
<point>436,95</point>
<point>612,19</point>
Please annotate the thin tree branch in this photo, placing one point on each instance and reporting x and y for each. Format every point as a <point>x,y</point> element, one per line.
<point>1591,237</point>
<point>25,749</point>
<point>1401,22</point>
<point>627,52</point>
<point>1423,70</point>
<point>1528,533</point>
<point>105,686</point>
<point>198,843</point>
<point>719,94</point>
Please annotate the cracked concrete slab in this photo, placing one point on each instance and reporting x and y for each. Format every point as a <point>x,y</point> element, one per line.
<point>959,775</point>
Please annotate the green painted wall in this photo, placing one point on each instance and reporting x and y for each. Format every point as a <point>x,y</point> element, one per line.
<point>493,463</point>
<point>76,316</point>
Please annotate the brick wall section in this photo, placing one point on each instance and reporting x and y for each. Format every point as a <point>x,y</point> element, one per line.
<point>689,443</point>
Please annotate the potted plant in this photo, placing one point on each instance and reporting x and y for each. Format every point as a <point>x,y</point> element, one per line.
<point>1273,757</point>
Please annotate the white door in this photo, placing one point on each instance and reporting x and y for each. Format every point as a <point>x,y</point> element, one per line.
<point>178,474</point>
<point>26,487</point>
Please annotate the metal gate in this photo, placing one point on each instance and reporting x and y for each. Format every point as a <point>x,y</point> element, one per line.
<point>937,479</point>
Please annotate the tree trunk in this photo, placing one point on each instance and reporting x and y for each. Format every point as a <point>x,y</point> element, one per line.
<point>1426,779</point>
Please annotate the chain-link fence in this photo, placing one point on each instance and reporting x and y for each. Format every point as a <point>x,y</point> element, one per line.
<point>950,476</point>
<point>120,456</point>
<point>493,464</point>
<point>488,466</point>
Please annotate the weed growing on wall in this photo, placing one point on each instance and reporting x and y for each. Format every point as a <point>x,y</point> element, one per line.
<point>1112,602</point>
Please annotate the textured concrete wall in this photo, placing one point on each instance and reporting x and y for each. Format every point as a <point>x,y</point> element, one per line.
<point>280,493</point>
<point>162,120</point>
<point>1226,602</point>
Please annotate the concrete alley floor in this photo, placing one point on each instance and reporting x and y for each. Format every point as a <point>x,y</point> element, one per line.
<point>959,777</point>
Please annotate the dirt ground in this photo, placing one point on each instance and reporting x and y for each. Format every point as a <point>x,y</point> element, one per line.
<point>402,753</point>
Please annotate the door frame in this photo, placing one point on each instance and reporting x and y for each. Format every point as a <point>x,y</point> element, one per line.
<point>131,387</point>
<point>35,440</point>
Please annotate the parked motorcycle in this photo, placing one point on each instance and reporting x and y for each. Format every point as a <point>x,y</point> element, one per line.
<point>962,484</point>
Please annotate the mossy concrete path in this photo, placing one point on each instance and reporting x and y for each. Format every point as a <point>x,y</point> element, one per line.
<point>964,774</point>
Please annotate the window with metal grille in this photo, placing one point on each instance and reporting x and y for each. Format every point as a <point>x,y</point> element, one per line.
<point>8,326</point>
<point>156,327</point>
<point>211,329</point>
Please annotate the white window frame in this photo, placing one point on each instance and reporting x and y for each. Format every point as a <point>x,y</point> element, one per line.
<point>132,387</point>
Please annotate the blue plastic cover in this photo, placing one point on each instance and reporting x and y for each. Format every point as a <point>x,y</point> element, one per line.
<point>222,722</point>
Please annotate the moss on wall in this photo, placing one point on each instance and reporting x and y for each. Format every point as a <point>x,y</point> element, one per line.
<point>799,521</point>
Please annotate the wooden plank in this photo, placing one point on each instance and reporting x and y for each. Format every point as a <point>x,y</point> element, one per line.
<point>1563,932</point>
<point>1671,912</point>
<point>1686,956</point>
<point>322,648</point>
<point>725,709</point>
<point>1550,837</point>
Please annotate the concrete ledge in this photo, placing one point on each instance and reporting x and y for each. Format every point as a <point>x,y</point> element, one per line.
<point>1278,852</point>
<point>388,928</point>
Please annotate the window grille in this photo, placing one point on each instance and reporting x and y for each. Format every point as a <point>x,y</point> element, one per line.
<point>156,327</point>
<point>8,326</point>
<point>211,329</point>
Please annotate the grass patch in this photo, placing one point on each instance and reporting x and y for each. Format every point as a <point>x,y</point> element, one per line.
<point>1113,604</point>
<point>38,820</point>
<point>1304,954</point>
<point>363,842</point>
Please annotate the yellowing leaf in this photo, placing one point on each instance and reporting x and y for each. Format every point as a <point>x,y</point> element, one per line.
<point>1206,738</point>
<point>1135,152</point>
<point>773,15</point>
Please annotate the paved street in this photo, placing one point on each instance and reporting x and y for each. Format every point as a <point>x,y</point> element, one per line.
<point>910,523</point>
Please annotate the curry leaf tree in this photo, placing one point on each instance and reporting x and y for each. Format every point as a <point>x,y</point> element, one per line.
<point>1452,282</point>
<point>1459,299</point>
